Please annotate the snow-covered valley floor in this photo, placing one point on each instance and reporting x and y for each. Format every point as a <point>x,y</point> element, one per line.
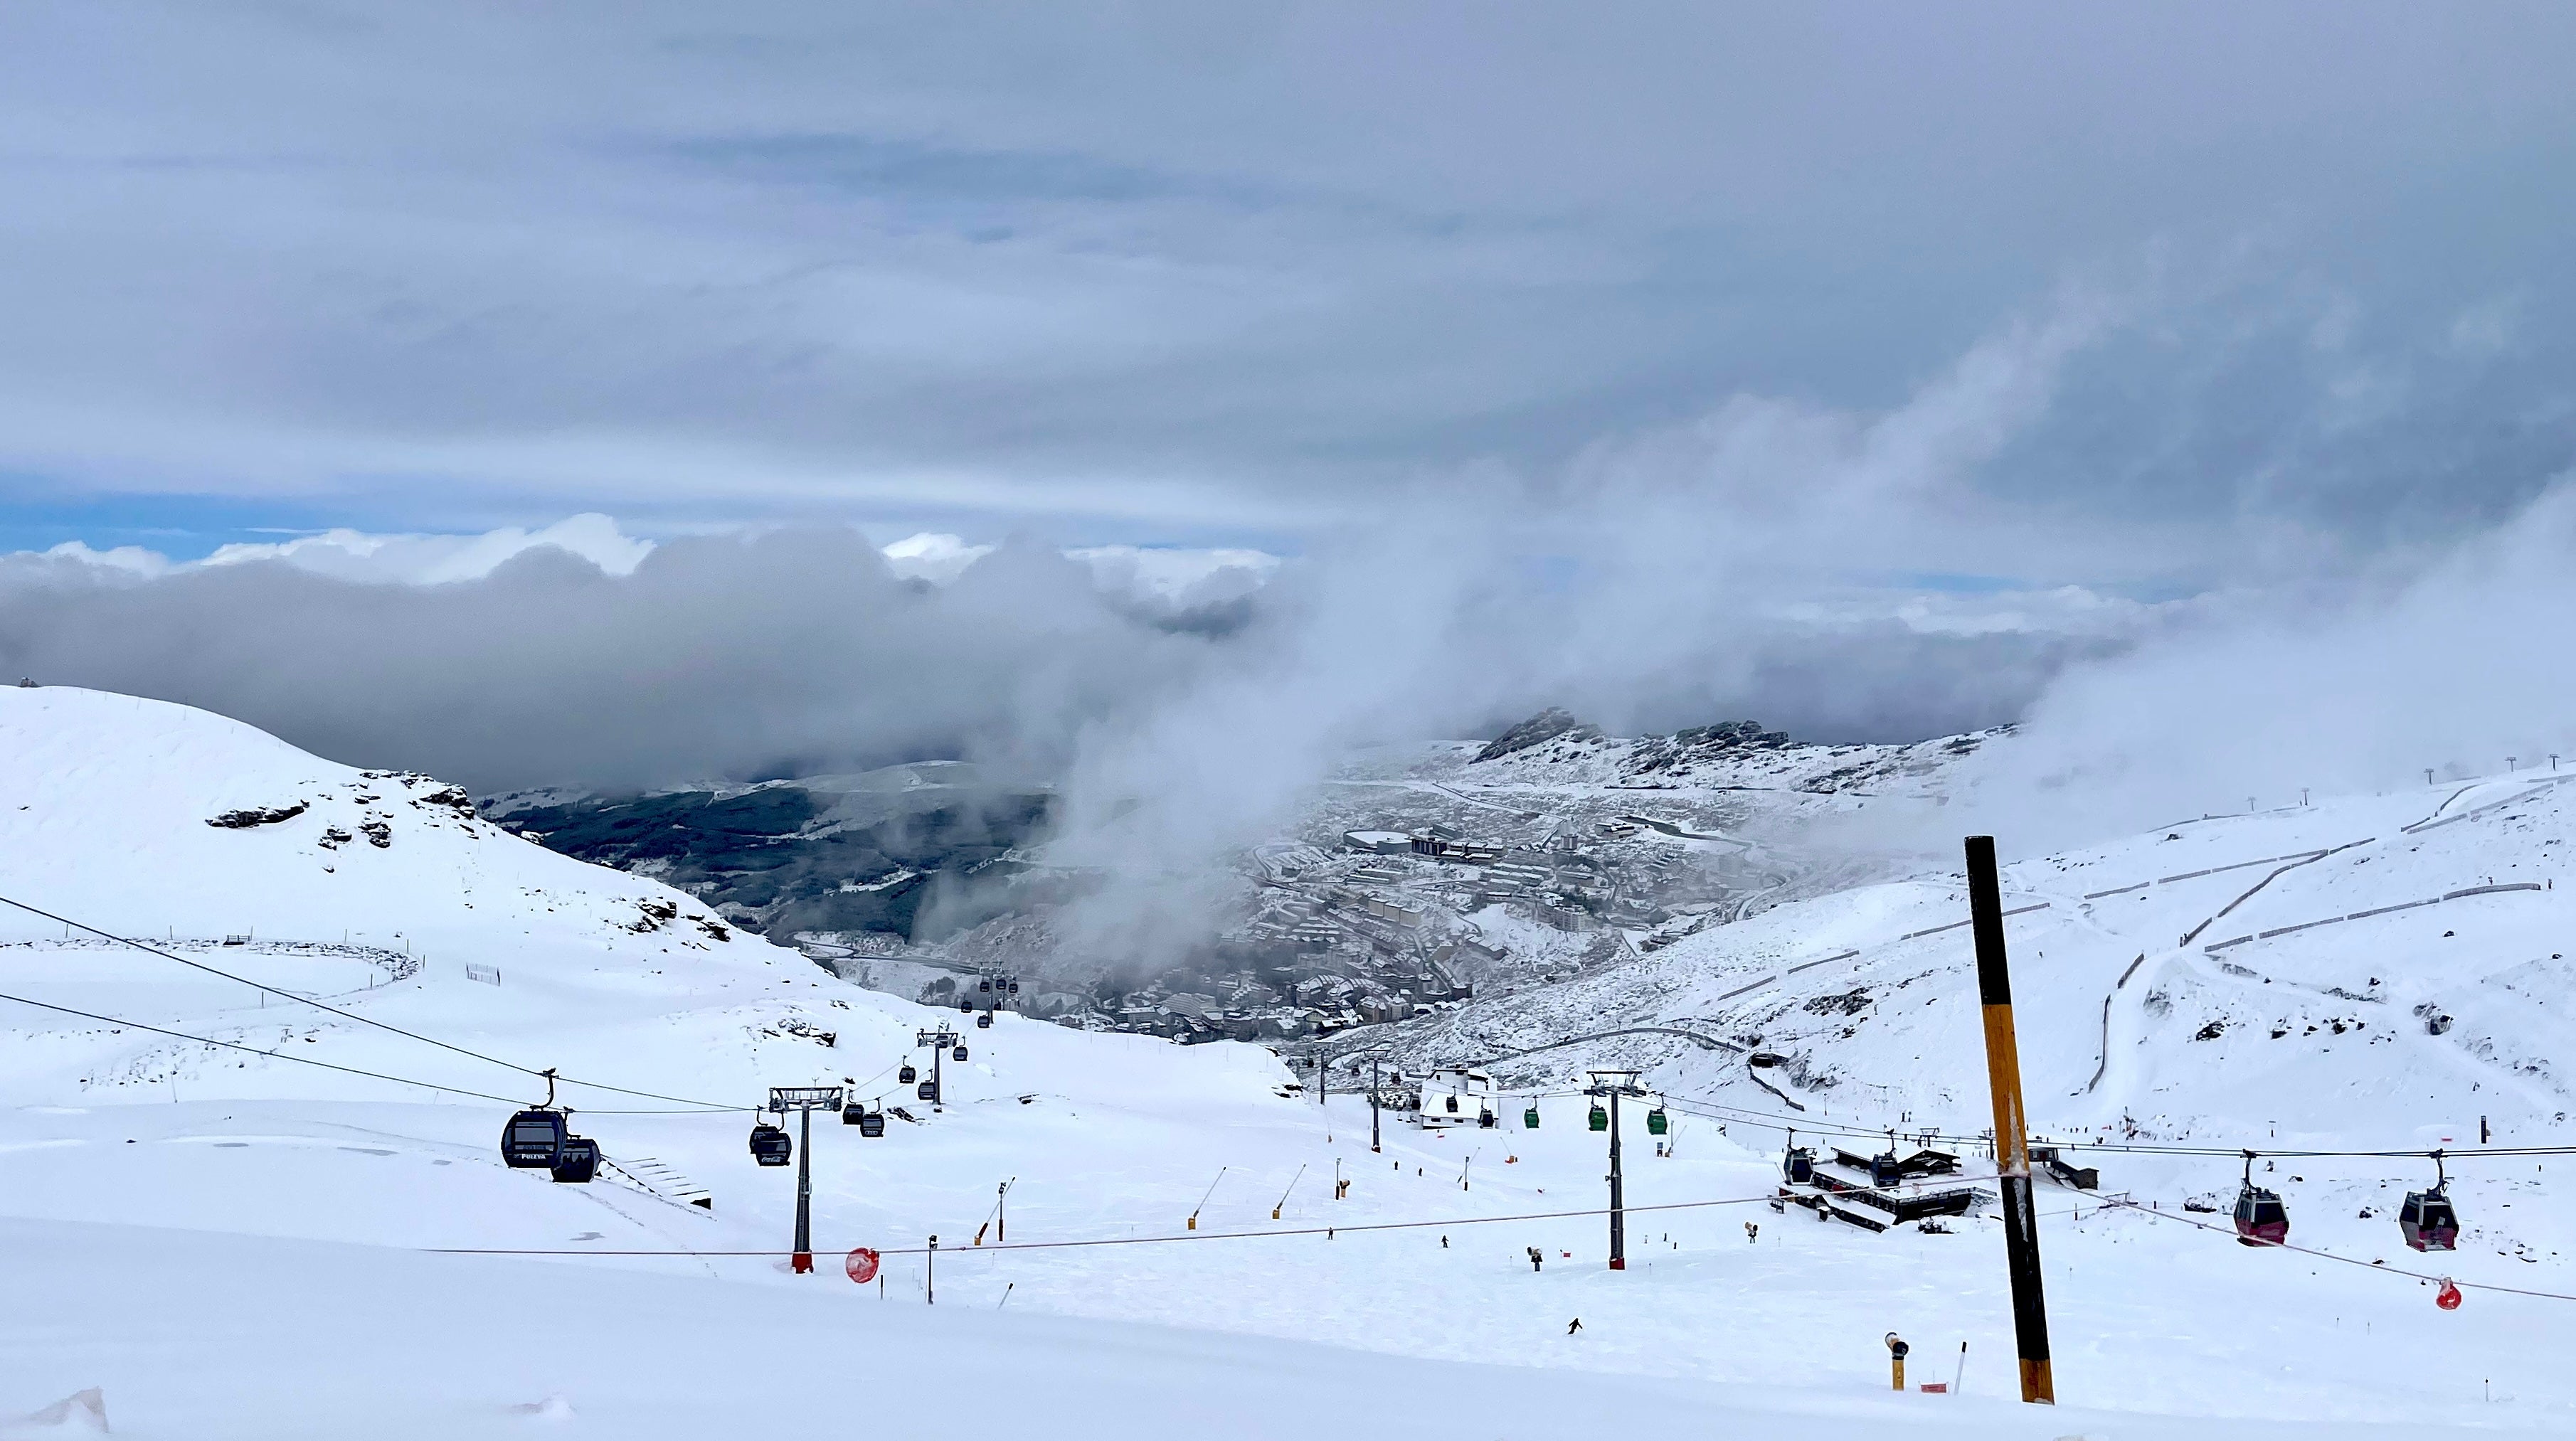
<point>227,1244</point>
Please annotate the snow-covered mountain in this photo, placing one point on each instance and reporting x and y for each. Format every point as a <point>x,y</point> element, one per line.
<point>231,1242</point>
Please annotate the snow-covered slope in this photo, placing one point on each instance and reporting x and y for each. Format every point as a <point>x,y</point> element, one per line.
<point>315,1312</point>
<point>2370,973</point>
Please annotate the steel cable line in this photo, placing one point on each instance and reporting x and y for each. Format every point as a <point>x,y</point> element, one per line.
<point>1720,1111</point>
<point>364,1020</point>
<point>1189,1233</point>
<point>1370,1226</point>
<point>2382,1267</point>
<point>282,1055</point>
<point>254,1050</point>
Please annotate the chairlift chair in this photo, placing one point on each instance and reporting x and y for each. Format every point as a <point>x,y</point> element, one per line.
<point>771,1145</point>
<point>2427,1220</point>
<point>577,1161</point>
<point>2261,1219</point>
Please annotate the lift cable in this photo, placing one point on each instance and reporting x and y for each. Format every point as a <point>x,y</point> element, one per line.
<point>362,1020</point>
<point>2230,1233</point>
<point>254,1050</point>
<point>1716,1110</point>
<point>308,1060</point>
<point>1454,1222</point>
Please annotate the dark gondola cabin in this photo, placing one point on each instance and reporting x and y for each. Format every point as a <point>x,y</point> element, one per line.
<point>771,1145</point>
<point>1885,1170</point>
<point>872,1124</point>
<point>1798,1165</point>
<point>531,1139</point>
<point>984,987</point>
<point>964,1006</point>
<point>1487,1120</point>
<point>577,1161</point>
<point>984,1022</point>
<point>957,1055</point>
<point>907,1075</point>
<point>1599,1120</point>
<point>2261,1219</point>
<point>2428,1222</point>
<point>1656,1122</point>
<point>1529,1118</point>
<point>926,1091</point>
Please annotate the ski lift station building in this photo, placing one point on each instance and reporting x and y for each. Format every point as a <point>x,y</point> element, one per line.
<point>1456,1096</point>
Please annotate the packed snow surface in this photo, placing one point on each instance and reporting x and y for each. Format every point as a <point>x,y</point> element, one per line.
<point>230,1242</point>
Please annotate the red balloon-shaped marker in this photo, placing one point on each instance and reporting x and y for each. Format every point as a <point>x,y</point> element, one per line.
<point>862,1267</point>
<point>2448,1298</point>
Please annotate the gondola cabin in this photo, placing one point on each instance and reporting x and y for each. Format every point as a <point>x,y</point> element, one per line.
<point>771,1145</point>
<point>872,1124</point>
<point>531,1138</point>
<point>907,1075</point>
<point>2261,1219</point>
<point>984,1022</point>
<point>1868,1191</point>
<point>1657,1123</point>
<point>577,1161</point>
<point>1599,1120</point>
<point>1454,1096</point>
<point>1529,1118</point>
<point>959,1054</point>
<point>964,1006</point>
<point>926,1091</point>
<point>2428,1222</point>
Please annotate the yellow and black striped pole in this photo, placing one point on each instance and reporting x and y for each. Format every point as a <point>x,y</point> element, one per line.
<point>2012,1144</point>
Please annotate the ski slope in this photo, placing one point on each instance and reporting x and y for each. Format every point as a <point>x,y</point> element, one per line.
<point>233,1243</point>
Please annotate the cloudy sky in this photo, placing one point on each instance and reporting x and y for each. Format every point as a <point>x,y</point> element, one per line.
<point>1921,351</point>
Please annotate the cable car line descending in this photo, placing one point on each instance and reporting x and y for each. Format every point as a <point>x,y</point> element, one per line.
<point>549,1076</point>
<point>1327,1231</point>
<point>1722,1111</point>
<point>2379,1266</point>
<point>1146,1240</point>
<point>256,1051</point>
